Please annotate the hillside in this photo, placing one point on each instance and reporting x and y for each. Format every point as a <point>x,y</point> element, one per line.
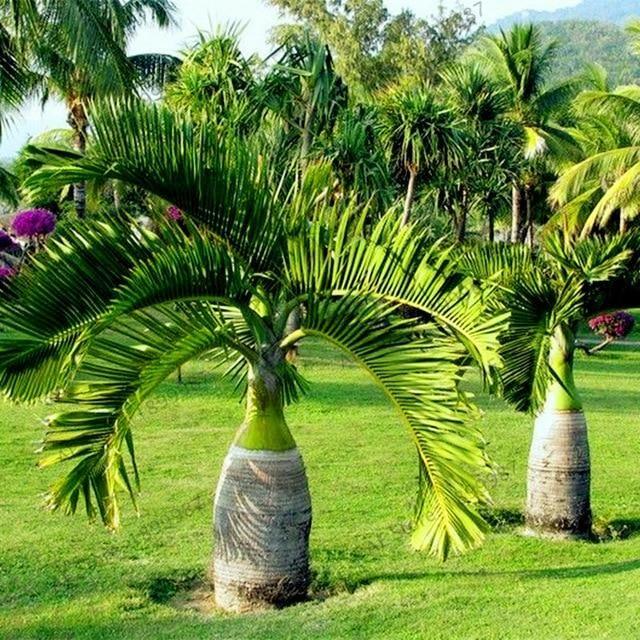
<point>618,12</point>
<point>581,42</point>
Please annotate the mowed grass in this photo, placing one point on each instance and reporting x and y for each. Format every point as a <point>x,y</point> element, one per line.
<point>61,577</point>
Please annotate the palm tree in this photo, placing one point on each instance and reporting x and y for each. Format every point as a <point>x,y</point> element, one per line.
<point>603,185</point>
<point>304,91</point>
<point>420,134</point>
<point>549,294</point>
<point>519,60</point>
<point>482,179</point>
<point>217,82</point>
<point>76,49</point>
<point>138,305</point>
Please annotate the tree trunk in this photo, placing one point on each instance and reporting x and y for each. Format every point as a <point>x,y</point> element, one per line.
<point>306,134</point>
<point>559,475</point>
<point>516,213</point>
<point>80,125</point>
<point>461,220</point>
<point>492,224</point>
<point>527,227</point>
<point>262,509</point>
<point>408,201</point>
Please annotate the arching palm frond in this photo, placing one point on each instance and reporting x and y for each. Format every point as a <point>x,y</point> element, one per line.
<point>217,181</point>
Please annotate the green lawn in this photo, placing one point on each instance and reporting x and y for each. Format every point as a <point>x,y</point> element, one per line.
<point>61,577</point>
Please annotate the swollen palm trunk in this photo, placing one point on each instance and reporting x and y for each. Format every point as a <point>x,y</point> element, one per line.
<point>559,475</point>
<point>262,510</point>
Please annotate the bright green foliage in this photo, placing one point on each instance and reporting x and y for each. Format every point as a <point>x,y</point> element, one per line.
<point>374,48</point>
<point>138,305</point>
<point>602,187</point>
<point>216,82</point>
<point>549,294</point>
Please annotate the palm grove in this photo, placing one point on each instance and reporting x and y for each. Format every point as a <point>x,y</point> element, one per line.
<point>412,191</point>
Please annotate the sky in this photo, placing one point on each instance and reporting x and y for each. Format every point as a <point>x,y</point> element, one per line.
<point>257,19</point>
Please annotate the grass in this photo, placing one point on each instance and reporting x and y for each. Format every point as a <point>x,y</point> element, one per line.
<point>62,577</point>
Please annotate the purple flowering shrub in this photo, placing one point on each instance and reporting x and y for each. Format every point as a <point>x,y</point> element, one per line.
<point>33,223</point>
<point>32,227</point>
<point>613,326</point>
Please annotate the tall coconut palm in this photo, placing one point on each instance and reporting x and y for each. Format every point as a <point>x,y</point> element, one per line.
<point>549,293</point>
<point>420,133</point>
<point>77,51</point>
<point>602,186</point>
<point>138,305</point>
<point>520,60</point>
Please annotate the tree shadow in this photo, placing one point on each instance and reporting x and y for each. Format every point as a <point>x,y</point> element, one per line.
<point>555,573</point>
<point>616,529</point>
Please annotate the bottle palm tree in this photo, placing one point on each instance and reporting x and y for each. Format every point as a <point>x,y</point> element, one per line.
<point>420,135</point>
<point>77,51</point>
<point>139,304</point>
<point>520,60</point>
<point>549,294</point>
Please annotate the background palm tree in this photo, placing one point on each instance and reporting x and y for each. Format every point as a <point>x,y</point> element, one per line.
<point>602,186</point>
<point>549,294</point>
<point>519,60</point>
<point>138,305</point>
<point>420,134</point>
<point>76,50</point>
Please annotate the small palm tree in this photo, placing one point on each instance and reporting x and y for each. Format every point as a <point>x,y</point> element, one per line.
<point>217,82</point>
<point>139,304</point>
<point>549,294</point>
<point>420,135</point>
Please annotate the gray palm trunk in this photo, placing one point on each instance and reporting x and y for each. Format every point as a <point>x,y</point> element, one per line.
<point>516,213</point>
<point>262,511</point>
<point>408,201</point>
<point>559,473</point>
<point>78,121</point>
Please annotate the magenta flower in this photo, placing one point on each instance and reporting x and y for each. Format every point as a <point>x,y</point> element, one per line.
<point>34,223</point>
<point>613,325</point>
<point>173,213</point>
<point>6,273</point>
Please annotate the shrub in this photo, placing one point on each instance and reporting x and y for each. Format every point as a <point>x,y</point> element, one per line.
<point>613,326</point>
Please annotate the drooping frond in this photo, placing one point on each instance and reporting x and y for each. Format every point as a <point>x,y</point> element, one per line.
<point>572,182</point>
<point>121,368</point>
<point>398,265</point>
<point>66,295</point>
<point>419,370</point>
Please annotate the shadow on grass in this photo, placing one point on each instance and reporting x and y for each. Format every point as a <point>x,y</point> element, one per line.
<point>617,529</point>
<point>556,573</point>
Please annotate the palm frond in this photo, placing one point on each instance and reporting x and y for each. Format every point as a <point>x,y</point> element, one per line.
<point>219,182</point>
<point>419,370</point>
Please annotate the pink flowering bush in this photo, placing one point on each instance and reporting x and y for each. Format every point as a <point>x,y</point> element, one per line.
<point>173,213</point>
<point>613,326</point>
<point>33,223</point>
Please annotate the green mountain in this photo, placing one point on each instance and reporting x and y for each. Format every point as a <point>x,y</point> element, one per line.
<point>615,11</point>
<point>582,42</point>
